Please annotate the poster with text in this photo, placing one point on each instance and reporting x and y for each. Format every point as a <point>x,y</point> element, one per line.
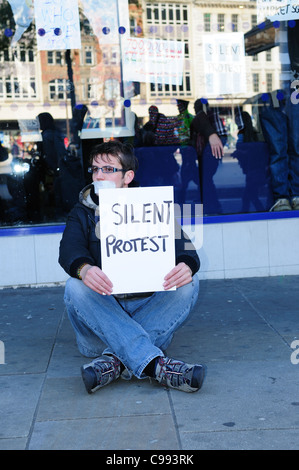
<point>137,237</point>
<point>57,24</point>
<point>109,20</point>
<point>277,10</point>
<point>225,67</point>
<point>153,61</point>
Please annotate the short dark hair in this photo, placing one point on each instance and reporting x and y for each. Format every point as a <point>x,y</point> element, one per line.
<point>124,153</point>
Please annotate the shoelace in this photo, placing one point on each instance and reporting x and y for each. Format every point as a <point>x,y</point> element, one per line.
<point>169,374</point>
<point>106,368</point>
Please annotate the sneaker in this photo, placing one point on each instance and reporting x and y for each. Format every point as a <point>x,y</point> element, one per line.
<point>295,203</point>
<point>282,204</point>
<point>100,372</point>
<point>178,375</point>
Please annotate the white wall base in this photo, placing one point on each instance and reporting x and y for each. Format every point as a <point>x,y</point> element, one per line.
<point>229,250</point>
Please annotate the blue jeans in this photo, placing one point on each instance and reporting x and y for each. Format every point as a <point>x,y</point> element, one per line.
<point>134,330</point>
<point>280,129</point>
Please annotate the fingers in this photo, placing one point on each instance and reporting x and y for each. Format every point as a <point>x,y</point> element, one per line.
<point>217,151</point>
<point>178,276</point>
<point>216,146</point>
<point>96,279</point>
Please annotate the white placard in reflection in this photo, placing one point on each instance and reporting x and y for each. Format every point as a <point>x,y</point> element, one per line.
<point>277,10</point>
<point>109,20</point>
<point>225,67</point>
<point>57,24</point>
<point>153,61</point>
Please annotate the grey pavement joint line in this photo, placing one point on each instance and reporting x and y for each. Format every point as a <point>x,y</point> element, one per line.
<point>44,381</point>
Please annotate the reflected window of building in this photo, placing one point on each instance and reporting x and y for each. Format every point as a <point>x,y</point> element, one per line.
<point>58,89</point>
<point>55,58</point>
<point>221,22</point>
<point>256,82</point>
<point>165,16</point>
<point>207,22</point>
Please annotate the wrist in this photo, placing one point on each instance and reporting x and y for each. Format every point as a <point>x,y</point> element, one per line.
<point>81,271</point>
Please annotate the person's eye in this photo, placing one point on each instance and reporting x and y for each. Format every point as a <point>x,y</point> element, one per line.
<point>108,169</point>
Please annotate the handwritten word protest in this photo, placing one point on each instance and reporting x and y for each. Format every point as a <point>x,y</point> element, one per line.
<point>153,60</point>
<point>224,59</point>
<point>57,24</point>
<point>137,237</point>
<point>277,10</point>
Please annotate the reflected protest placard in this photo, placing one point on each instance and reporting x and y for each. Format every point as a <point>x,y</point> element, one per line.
<point>225,67</point>
<point>57,24</point>
<point>137,237</point>
<point>109,20</point>
<point>153,60</point>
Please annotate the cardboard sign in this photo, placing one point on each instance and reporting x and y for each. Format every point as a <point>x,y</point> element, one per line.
<point>137,237</point>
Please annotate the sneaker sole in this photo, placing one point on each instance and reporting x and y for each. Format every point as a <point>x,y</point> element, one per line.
<point>88,380</point>
<point>199,374</point>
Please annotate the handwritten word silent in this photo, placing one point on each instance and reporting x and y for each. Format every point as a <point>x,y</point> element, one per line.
<point>149,213</point>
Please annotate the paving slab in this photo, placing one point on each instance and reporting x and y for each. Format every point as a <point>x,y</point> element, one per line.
<point>121,433</point>
<point>276,439</point>
<point>29,321</point>
<point>242,396</point>
<point>66,398</point>
<point>19,396</point>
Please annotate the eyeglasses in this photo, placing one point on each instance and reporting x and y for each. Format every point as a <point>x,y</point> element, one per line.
<point>105,169</point>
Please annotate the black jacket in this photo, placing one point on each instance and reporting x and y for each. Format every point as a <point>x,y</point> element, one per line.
<point>80,243</point>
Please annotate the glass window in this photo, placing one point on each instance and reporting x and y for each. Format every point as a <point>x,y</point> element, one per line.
<point>221,24</point>
<point>235,22</point>
<point>256,82</point>
<point>269,80</point>
<point>98,79</point>
<point>207,22</point>
<point>269,55</point>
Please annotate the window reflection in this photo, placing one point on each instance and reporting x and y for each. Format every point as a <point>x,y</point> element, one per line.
<point>90,98</point>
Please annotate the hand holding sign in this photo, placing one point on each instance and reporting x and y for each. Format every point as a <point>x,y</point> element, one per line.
<point>178,276</point>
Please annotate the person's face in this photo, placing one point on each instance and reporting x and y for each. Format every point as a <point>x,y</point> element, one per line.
<point>121,179</point>
<point>181,107</point>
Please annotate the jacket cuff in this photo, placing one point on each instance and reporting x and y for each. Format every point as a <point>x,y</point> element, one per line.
<point>193,265</point>
<point>77,263</point>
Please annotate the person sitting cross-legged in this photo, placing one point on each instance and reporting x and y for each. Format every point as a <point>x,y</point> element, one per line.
<point>136,328</point>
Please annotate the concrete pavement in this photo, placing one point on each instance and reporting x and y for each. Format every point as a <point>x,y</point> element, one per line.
<point>243,329</point>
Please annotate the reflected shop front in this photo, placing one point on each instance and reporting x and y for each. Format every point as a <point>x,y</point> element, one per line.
<point>167,77</point>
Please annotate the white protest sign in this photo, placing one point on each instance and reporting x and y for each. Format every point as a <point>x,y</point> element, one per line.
<point>106,17</point>
<point>277,10</point>
<point>137,237</point>
<point>153,60</point>
<point>57,24</point>
<point>225,67</point>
